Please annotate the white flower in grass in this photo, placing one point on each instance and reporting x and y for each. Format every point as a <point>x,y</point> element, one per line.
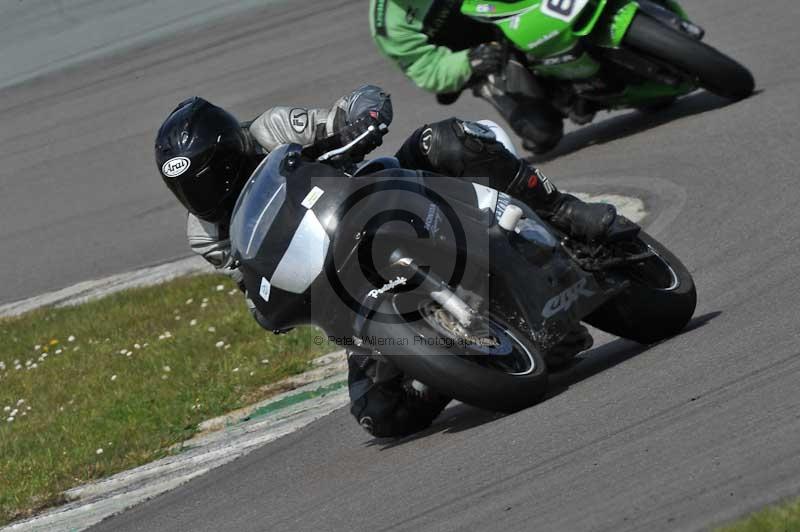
<point>137,346</point>
<point>17,367</point>
<point>265,361</point>
<point>28,408</point>
<point>76,348</point>
<point>220,287</point>
<point>189,301</point>
<point>227,346</point>
<point>10,419</point>
<point>203,305</point>
<point>37,347</point>
<point>164,377</point>
<point>129,354</point>
<point>205,300</point>
<point>59,351</point>
<point>71,339</point>
<point>233,292</point>
<point>193,323</point>
<point>113,378</point>
<point>212,329</point>
<point>220,344</point>
<point>177,318</point>
<point>99,451</point>
<point>16,362</point>
<point>252,373</point>
<point>123,351</point>
<point>7,409</point>
<point>34,366</point>
<point>28,362</point>
<point>14,412</point>
<point>167,369</point>
<point>236,370</point>
<point>21,402</point>
<point>145,345</point>
<point>24,414</point>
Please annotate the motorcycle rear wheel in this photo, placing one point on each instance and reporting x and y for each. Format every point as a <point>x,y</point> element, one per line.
<point>713,70</point>
<point>463,372</point>
<point>658,304</point>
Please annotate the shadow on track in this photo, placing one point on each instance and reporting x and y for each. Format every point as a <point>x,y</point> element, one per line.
<point>611,354</point>
<point>631,123</point>
<point>463,417</point>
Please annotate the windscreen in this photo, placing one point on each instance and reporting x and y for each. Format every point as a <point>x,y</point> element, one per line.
<point>258,205</point>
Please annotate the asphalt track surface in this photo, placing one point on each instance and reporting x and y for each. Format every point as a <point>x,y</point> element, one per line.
<point>679,436</point>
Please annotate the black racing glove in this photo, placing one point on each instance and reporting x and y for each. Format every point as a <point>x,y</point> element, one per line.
<point>487,58</point>
<point>360,121</point>
<point>363,118</point>
<point>366,133</point>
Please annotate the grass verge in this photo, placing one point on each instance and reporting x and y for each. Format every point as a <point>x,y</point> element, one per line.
<point>781,518</point>
<point>92,390</point>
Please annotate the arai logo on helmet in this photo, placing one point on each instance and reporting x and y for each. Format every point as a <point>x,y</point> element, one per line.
<point>176,166</point>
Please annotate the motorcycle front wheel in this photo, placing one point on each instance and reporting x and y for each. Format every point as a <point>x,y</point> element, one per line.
<point>713,70</point>
<point>495,367</point>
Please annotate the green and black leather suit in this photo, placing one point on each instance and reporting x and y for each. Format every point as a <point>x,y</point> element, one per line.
<point>430,41</point>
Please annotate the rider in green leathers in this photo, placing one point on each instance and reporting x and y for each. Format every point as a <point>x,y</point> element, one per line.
<point>444,52</point>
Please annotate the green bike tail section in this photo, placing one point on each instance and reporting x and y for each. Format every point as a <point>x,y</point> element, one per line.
<point>547,31</point>
<point>542,29</point>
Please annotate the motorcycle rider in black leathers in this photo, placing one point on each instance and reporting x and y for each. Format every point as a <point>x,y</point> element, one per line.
<point>205,156</point>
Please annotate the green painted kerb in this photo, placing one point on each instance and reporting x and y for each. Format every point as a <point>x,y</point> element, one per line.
<point>295,399</point>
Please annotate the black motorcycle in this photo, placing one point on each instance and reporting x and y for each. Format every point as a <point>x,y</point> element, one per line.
<point>459,285</point>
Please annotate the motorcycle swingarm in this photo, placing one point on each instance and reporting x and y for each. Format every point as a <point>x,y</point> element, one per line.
<point>596,259</point>
<point>647,67</point>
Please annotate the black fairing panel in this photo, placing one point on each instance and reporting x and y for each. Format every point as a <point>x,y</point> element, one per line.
<point>434,220</point>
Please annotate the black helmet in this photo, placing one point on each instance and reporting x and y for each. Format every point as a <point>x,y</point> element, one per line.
<point>204,157</point>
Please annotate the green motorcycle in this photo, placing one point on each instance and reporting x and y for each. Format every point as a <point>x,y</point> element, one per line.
<point>591,55</point>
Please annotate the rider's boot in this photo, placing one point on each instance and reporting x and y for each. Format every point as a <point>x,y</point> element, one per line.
<point>588,222</point>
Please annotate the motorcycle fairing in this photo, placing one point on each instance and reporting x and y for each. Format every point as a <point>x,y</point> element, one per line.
<point>533,276</point>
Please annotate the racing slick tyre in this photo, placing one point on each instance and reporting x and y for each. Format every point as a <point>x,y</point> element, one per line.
<point>659,302</point>
<point>497,369</point>
<point>656,105</point>
<point>713,70</point>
